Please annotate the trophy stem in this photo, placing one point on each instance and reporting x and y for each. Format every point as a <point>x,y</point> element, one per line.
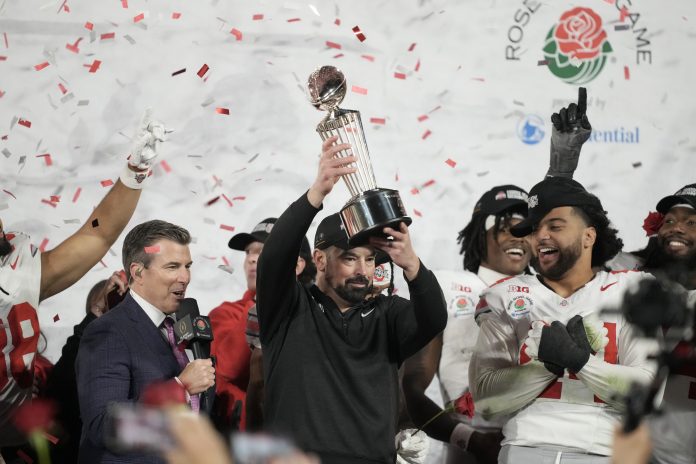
<point>358,150</point>
<point>350,183</point>
<point>366,161</point>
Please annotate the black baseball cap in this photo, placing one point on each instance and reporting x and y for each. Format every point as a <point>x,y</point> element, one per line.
<point>332,232</point>
<point>550,193</point>
<point>685,195</point>
<point>260,233</point>
<point>500,198</point>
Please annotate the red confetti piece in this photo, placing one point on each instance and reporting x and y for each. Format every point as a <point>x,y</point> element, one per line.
<point>413,45</point>
<point>89,26</point>
<point>47,158</point>
<point>294,20</point>
<point>417,68</point>
<point>239,198</point>
<point>41,66</point>
<point>176,73</point>
<point>225,261</point>
<point>399,75</point>
<point>107,36</point>
<point>422,117</point>
<point>165,166</point>
<point>450,162</point>
<point>417,213</point>
<point>415,191</point>
<point>627,73</point>
<point>2,94</point>
<point>426,134</point>
<point>139,18</point>
<point>623,13</point>
<point>257,17</point>
<point>333,45</point>
<point>42,247</point>
<point>212,201</point>
<point>94,66</point>
<point>24,122</point>
<point>73,47</point>
<point>378,121</point>
<point>107,183</point>
<point>124,3</point>
<point>53,439</point>
<point>429,183</point>
<point>204,69</point>
<point>222,111</point>
<point>360,90</point>
<point>337,21</point>
<point>361,37</point>
<point>77,194</point>
<point>542,62</point>
<point>7,44</point>
<point>236,33</point>
<point>56,318</point>
<point>48,202</point>
<point>152,249</point>
<point>340,55</point>
<point>62,88</point>
<point>229,203</point>
<point>480,79</point>
<point>368,57</point>
<point>176,15</point>
<point>3,58</point>
<point>226,227</point>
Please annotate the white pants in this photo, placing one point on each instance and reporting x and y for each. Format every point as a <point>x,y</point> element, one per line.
<point>510,454</point>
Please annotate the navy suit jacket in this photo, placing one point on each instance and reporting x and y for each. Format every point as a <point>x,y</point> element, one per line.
<point>121,353</point>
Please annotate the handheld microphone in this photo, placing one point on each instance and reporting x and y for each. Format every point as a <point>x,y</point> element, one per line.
<point>196,332</point>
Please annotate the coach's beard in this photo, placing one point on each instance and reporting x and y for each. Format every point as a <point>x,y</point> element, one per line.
<point>354,295</point>
<point>567,257</point>
<point>5,246</point>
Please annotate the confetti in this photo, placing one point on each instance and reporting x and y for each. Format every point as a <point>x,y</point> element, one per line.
<point>417,68</point>
<point>124,3</point>
<point>224,260</point>
<point>450,162</point>
<point>368,57</point>
<point>415,191</point>
<point>257,17</point>
<point>95,222</point>
<point>71,221</point>
<point>107,183</point>
<point>77,194</point>
<point>222,111</point>
<point>9,193</point>
<point>56,318</point>
<point>139,18</point>
<point>239,198</point>
<point>236,33</point>
<point>624,12</point>
<point>41,66</point>
<point>25,123</point>
<point>152,249</point>
<point>73,47</point>
<point>94,66</point>
<point>622,27</point>
<point>381,121</point>
<point>417,213</point>
<point>130,39</point>
<point>89,26</point>
<point>107,36</point>
<point>294,20</point>
<point>422,117</point>
<point>429,183</point>
<point>212,201</point>
<point>7,44</point>
<point>627,73</point>
<point>229,203</point>
<point>359,90</point>
<point>165,166</point>
<point>337,22</point>
<point>426,134</point>
<point>399,75</point>
<point>176,15</point>
<point>542,63</point>
<point>47,158</point>
<point>637,165</point>
<point>333,45</point>
<point>411,47</point>
<point>361,37</point>
<point>62,88</point>
<point>3,58</point>
<point>226,227</point>
<point>204,69</point>
<point>340,55</point>
<point>181,71</point>
<point>42,247</point>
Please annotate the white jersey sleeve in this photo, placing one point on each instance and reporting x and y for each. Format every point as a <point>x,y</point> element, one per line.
<point>20,285</point>
<point>495,364</point>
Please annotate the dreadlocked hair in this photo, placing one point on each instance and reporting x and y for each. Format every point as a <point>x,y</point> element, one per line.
<point>472,238</point>
<point>608,244</point>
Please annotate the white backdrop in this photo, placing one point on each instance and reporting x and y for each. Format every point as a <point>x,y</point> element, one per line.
<point>444,60</point>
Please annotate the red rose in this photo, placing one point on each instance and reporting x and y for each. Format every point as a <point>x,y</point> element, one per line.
<point>465,405</point>
<point>160,394</point>
<point>35,415</point>
<point>652,223</point>
<point>579,34</point>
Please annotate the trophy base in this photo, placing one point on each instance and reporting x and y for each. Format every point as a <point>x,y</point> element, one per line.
<point>367,214</point>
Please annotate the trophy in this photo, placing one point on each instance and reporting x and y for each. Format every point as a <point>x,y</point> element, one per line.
<point>370,208</point>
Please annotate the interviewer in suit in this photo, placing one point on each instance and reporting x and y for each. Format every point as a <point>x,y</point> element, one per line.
<point>127,349</point>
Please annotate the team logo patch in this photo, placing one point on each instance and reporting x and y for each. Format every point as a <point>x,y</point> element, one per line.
<point>532,201</point>
<point>462,305</point>
<point>519,306</point>
<point>382,274</point>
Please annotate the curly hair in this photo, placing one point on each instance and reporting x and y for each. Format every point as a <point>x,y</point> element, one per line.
<point>608,244</point>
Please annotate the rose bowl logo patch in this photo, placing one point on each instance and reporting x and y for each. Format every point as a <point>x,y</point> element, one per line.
<point>462,305</point>
<point>576,47</point>
<point>519,306</point>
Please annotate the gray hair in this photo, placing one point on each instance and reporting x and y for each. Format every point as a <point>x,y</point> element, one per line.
<point>145,235</point>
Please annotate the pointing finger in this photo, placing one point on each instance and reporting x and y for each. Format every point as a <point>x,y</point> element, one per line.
<point>582,101</point>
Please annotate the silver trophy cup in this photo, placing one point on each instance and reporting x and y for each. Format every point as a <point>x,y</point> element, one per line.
<point>370,208</point>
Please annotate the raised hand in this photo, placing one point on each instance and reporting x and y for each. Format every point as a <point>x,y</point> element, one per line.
<point>331,168</point>
<point>571,129</point>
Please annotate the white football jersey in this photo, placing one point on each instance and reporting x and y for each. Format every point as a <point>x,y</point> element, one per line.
<point>20,285</point>
<point>563,412</point>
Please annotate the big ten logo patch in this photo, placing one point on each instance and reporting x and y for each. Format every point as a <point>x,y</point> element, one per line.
<point>462,305</point>
<point>570,388</point>
<point>519,306</point>
<point>517,289</point>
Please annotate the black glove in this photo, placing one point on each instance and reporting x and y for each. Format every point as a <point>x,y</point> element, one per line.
<point>571,129</point>
<point>576,330</point>
<point>557,347</point>
<point>558,371</point>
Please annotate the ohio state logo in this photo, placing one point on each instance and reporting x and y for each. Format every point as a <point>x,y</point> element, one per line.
<point>576,47</point>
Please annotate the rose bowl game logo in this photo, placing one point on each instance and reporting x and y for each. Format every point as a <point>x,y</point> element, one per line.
<point>519,306</point>
<point>576,47</point>
<point>463,305</point>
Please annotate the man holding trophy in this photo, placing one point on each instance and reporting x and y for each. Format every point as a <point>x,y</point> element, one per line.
<point>331,352</point>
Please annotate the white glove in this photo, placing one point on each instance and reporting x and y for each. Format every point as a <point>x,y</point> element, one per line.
<point>597,334</point>
<point>410,448</point>
<point>534,339</point>
<point>143,151</point>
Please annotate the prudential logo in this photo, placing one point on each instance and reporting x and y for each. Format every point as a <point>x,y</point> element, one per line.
<point>530,129</point>
<point>576,48</point>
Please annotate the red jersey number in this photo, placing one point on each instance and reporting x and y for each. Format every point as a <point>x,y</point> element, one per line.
<point>20,314</point>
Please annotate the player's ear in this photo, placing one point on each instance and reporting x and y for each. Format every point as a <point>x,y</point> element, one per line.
<point>589,237</point>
